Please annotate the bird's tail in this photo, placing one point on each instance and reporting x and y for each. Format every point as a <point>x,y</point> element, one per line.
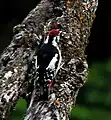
<point>43,86</point>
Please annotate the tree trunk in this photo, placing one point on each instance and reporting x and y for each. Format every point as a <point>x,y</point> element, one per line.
<point>17,72</point>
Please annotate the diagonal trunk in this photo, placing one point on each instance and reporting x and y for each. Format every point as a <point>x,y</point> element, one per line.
<point>17,73</point>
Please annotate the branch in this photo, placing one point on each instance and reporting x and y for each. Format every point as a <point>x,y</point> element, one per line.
<point>76,22</point>
<point>17,73</point>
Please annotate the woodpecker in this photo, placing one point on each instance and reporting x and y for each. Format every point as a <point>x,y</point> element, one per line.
<point>48,62</point>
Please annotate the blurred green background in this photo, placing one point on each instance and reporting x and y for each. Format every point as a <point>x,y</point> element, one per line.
<point>94,98</point>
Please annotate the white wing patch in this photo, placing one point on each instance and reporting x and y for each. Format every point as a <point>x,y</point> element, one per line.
<point>53,62</point>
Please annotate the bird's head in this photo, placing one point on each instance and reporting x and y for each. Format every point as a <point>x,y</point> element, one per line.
<point>53,35</point>
<point>54,32</point>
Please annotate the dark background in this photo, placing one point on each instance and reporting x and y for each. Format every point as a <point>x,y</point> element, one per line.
<point>94,98</point>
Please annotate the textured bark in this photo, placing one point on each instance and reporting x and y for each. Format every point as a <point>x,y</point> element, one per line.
<point>17,72</point>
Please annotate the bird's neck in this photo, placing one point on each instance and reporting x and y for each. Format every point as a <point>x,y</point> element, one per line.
<point>51,40</point>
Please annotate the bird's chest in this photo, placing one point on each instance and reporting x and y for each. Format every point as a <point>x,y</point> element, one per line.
<point>46,54</point>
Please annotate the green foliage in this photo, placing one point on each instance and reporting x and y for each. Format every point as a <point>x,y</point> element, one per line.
<point>19,111</point>
<point>94,99</point>
<point>85,113</point>
<point>80,112</point>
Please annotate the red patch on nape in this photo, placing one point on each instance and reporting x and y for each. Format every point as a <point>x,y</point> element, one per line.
<point>54,32</point>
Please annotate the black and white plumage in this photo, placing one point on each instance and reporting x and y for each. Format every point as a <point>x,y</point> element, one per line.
<point>48,62</point>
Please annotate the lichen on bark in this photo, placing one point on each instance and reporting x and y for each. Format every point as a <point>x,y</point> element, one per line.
<point>17,72</point>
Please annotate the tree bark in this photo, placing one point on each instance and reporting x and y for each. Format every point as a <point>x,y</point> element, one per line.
<point>17,72</point>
